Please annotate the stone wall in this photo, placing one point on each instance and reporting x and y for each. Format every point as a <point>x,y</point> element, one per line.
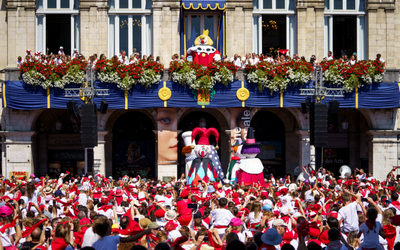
<point>166,37</point>
<point>94,27</point>
<point>310,28</point>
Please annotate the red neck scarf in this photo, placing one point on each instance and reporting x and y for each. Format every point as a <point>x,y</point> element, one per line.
<point>105,207</point>
<point>396,204</point>
<point>58,244</point>
<point>29,230</point>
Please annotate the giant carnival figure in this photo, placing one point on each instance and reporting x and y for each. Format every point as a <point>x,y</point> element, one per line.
<point>250,168</point>
<point>206,166</point>
<point>190,154</point>
<point>235,161</point>
<point>203,52</point>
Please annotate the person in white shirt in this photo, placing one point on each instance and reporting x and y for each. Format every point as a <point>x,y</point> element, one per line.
<point>330,56</point>
<point>221,217</point>
<point>61,51</point>
<point>348,214</point>
<point>236,60</point>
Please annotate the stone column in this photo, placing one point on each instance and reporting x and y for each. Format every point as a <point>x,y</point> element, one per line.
<point>94,27</point>
<point>310,28</point>
<point>166,28</point>
<point>99,163</point>
<point>239,27</point>
<point>18,152</point>
<point>20,31</point>
<point>383,29</point>
<point>383,152</point>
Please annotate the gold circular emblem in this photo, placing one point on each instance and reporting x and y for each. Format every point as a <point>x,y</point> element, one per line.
<point>164,93</point>
<point>203,54</point>
<point>242,94</point>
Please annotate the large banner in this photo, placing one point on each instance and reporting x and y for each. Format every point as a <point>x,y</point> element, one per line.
<point>167,136</point>
<point>240,122</point>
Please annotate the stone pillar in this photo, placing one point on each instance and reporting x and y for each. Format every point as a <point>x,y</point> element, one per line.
<point>304,147</point>
<point>310,28</point>
<point>383,26</point>
<point>18,152</point>
<point>383,152</point>
<point>94,27</point>
<point>20,31</point>
<point>239,27</point>
<point>99,163</point>
<point>166,28</point>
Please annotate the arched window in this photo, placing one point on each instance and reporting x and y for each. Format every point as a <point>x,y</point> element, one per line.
<point>130,27</point>
<point>57,24</point>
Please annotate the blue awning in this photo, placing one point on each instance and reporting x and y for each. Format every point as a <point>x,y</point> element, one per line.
<point>203,4</point>
<point>18,95</point>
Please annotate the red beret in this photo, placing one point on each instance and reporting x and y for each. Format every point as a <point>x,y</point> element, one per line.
<point>159,213</point>
<point>314,232</point>
<point>185,193</point>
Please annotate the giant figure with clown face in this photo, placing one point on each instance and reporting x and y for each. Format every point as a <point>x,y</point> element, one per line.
<point>206,165</point>
<point>203,52</point>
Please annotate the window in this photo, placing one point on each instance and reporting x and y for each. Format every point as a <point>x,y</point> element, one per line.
<point>195,23</point>
<point>345,28</point>
<point>130,26</point>
<point>57,24</point>
<point>274,26</point>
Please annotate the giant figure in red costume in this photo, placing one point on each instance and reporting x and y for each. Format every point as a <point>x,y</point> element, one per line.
<point>203,52</point>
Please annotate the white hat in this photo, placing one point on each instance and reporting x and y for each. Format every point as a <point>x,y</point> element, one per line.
<point>134,180</point>
<point>119,210</point>
<point>170,215</point>
<point>187,138</point>
<point>284,210</point>
<point>279,222</point>
<point>61,47</point>
<point>62,174</point>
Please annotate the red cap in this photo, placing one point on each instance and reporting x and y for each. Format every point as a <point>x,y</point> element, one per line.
<point>159,213</point>
<point>185,193</point>
<point>314,232</point>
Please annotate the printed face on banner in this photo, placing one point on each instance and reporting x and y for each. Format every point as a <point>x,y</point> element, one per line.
<point>167,136</point>
<point>240,122</point>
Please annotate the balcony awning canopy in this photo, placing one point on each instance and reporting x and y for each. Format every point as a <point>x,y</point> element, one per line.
<point>203,4</point>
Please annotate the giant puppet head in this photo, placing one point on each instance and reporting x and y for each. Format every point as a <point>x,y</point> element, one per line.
<point>204,134</point>
<point>203,52</point>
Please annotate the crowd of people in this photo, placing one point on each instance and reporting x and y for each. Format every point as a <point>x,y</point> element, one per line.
<point>60,57</point>
<point>95,212</point>
<point>240,61</point>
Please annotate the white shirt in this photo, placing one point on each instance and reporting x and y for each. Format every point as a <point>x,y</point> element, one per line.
<point>350,217</point>
<point>89,237</point>
<point>221,217</point>
<point>83,199</point>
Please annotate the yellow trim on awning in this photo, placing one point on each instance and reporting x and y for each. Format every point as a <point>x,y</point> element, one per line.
<point>48,97</point>
<point>4,95</point>
<point>200,6</point>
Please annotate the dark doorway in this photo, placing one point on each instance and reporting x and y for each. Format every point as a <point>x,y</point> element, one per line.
<point>134,146</point>
<point>344,36</point>
<point>188,123</point>
<point>273,33</point>
<point>58,33</point>
<point>270,132</point>
<point>58,145</point>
